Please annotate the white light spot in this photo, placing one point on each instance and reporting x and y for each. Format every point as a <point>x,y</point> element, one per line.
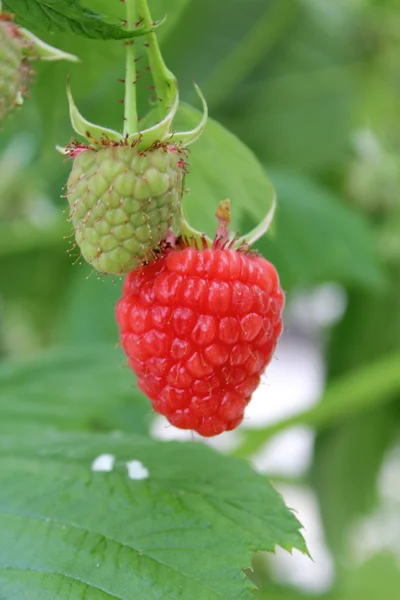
<point>294,381</point>
<point>288,453</point>
<point>104,462</point>
<point>162,430</point>
<point>136,470</point>
<point>312,310</point>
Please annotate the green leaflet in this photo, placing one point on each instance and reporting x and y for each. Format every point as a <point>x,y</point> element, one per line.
<point>318,238</point>
<point>282,75</point>
<point>236,41</point>
<point>187,530</point>
<point>67,15</point>
<point>88,311</point>
<point>86,388</point>
<point>221,167</point>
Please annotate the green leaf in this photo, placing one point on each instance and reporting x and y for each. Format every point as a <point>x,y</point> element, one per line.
<point>304,92</point>
<point>234,42</point>
<point>88,309</point>
<point>67,15</point>
<point>221,167</point>
<point>31,299</point>
<point>265,32</point>
<point>283,75</point>
<point>20,235</point>
<point>365,388</point>
<point>185,531</point>
<point>318,238</point>
<point>369,328</point>
<point>171,9</point>
<point>85,388</point>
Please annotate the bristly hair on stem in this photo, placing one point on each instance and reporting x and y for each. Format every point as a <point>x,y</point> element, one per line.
<point>130,108</point>
<point>165,83</point>
<point>165,87</point>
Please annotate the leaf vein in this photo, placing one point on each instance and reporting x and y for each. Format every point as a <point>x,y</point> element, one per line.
<point>106,538</point>
<point>72,577</point>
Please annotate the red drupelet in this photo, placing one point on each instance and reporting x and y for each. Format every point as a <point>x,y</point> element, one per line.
<point>199,327</point>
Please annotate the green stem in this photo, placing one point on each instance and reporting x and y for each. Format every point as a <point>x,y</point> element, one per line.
<point>131,120</point>
<point>164,81</point>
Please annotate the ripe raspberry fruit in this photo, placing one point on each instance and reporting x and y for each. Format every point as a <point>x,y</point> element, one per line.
<point>122,202</point>
<point>199,327</point>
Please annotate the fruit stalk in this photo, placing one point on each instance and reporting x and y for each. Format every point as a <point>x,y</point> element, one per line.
<point>130,116</point>
<point>164,81</point>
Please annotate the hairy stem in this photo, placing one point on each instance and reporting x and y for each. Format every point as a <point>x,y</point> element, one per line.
<point>130,113</point>
<point>164,80</point>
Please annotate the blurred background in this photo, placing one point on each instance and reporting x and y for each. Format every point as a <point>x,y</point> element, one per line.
<point>313,88</point>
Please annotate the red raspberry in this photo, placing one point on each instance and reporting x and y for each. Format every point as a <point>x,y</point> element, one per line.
<point>199,327</point>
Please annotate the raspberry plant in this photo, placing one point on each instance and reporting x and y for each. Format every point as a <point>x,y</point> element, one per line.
<point>91,505</point>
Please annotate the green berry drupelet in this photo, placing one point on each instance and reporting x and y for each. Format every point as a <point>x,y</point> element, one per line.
<point>199,327</point>
<point>123,201</point>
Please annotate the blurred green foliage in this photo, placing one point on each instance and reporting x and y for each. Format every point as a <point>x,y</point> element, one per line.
<point>377,576</point>
<point>311,86</point>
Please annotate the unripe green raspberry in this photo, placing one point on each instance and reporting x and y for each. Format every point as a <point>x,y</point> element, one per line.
<point>125,188</point>
<point>13,72</point>
<point>18,48</point>
<point>122,202</point>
